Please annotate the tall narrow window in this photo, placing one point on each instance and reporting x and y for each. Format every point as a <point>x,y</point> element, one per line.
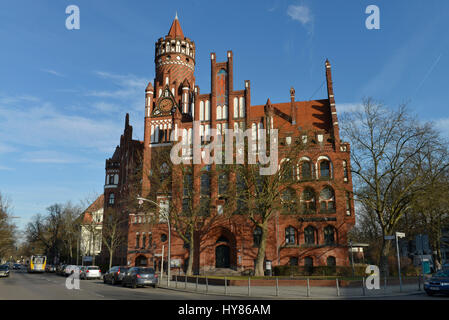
<point>325,169</point>
<point>308,201</point>
<point>310,235</point>
<point>306,170</point>
<point>111,199</point>
<point>345,171</point>
<point>137,241</point>
<point>329,235</point>
<point>257,237</point>
<point>290,234</point>
<point>327,200</point>
<point>144,241</point>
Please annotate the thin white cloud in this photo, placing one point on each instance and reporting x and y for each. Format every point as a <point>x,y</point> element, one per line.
<point>130,86</point>
<point>303,15</point>
<point>53,72</point>
<point>348,107</point>
<point>6,168</point>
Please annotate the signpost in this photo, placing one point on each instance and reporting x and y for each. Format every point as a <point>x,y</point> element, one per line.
<point>395,237</point>
<point>399,235</point>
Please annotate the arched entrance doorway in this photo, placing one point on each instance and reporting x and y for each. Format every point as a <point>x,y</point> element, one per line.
<point>141,261</point>
<point>222,256</point>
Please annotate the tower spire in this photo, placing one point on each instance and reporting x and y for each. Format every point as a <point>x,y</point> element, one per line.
<point>175,29</point>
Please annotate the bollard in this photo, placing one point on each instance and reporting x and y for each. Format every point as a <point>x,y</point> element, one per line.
<point>249,286</point>
<point>385,284</point>
<point>196,288</point>
<point>277,286</point>
<point>226,286</point>
<point>363,285</point>
<point>207,285</point>
<point>308,288</point>
<point>176,281</point>
<point>185,283</point>
<point>338,288</point>
<point>419,283</point>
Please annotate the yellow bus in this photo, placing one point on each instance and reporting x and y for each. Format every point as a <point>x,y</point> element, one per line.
<point>37,263</point>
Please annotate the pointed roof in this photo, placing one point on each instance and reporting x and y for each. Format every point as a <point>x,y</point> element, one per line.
<point>175,29</point>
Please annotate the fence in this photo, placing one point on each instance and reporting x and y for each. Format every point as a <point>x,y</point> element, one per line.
<point>293,288</point>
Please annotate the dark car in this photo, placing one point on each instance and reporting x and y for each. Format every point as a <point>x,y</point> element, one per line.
<point>4,270</point>
<point>139,276</point>
<point>115,275</point>
<point>439,283</point>
<point>16,266</point>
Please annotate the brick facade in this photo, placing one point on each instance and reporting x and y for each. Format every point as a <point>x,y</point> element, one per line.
<point>225,107</point>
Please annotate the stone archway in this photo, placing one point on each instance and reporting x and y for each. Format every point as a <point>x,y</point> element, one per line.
<point>141,261</point>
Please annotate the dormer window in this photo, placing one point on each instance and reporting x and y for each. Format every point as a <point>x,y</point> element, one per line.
<point>304,138</point>
<point>320,137</point>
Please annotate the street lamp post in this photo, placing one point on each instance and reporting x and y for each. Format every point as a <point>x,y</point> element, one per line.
<point>141,199</point>
<point>352,259</point>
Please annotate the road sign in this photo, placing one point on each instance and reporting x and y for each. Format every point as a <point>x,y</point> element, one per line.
<point>389,237</point>
<point>400,234</point>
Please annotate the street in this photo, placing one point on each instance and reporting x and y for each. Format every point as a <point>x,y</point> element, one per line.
<point>21,285</point>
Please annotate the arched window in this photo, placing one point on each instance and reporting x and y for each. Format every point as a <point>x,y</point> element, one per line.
<point>310,235</point>
<point>242,107</point>
<point>290,235</point>
<point>325,169</point>
<point>188,185</point>
<point>348,204</point>
<point>207,110</point>
<point>201,110</point>
<point>219,113</point>
<point>293,261</point>
<point>222,181</point>
<point>327,200</point>
<point>236,107</point>
<point>329,235</point>
<point>163,237</point>
<point>225,112</point>
<point>257,237</point>
<point>306,170</point>
<point>111,199</point>
<point>308,201</point>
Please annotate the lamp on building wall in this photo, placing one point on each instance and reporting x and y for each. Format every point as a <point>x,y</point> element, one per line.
<point>167,216</point>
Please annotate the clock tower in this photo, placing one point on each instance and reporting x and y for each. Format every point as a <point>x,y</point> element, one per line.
<point>172,93</point>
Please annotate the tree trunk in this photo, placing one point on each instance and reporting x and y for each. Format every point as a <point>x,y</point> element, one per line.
<point>191,255</point>
<point>110,259</point>
<point>259,271</point>
<point>383,257</point>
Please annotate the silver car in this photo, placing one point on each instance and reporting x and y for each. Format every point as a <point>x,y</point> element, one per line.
<point>90,272</point>
<point>4,271</point>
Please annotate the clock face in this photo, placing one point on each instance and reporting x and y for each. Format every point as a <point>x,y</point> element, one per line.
<point>166,105</point>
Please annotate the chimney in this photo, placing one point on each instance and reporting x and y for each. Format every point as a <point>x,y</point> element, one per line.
<point>292,105</point>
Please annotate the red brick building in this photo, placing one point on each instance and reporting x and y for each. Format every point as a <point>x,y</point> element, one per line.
<point>173,101</point>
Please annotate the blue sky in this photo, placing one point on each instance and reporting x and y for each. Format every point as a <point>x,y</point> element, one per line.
<point>64,93</point>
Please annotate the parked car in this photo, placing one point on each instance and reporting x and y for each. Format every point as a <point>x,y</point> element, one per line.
<point>138,276</point>
<point>50,268</point>
<point>4,270</point>
<point>115,275</point>
<point>16,266</point>
<point>90,272</point>
<point>438,283</point>
<point>60,269</point>
<point>70,269</point>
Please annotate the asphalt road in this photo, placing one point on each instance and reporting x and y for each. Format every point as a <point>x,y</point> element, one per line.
<point>21,285</point>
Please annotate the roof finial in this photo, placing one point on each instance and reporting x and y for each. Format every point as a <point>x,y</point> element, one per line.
<point>176,17</point>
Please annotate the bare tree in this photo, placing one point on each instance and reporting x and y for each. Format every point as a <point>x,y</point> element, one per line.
<point>114,232</point>
<point>388,148</point>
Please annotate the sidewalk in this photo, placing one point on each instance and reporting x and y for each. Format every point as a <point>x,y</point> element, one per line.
<point>294,292</point>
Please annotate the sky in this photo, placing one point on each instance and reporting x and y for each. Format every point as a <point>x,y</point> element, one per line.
<point>64,93</point>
